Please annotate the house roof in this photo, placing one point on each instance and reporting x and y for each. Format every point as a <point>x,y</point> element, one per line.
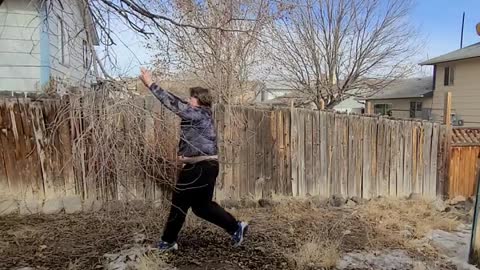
<point>465,136</point>
<point>407,88</point>
<point>464,53</point>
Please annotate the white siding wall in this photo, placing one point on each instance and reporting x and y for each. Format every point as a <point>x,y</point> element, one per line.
<point>73,72</point>
<point>19,46</point>
<point>30,50</point>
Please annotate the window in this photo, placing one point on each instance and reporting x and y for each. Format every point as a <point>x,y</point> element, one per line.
<point>416,109</point>
<point>449,76</point>
<point>63,40</point>
<point>85,54</point>
<point>383,109</point>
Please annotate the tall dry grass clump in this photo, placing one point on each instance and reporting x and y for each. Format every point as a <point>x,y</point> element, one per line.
<point>393,215</point>
<point>153,261</point>
<point>317,253</point>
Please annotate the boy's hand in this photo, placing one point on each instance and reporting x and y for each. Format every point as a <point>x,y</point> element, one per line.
<point>146,77</point>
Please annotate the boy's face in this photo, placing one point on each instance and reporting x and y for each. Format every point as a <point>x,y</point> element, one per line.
<point>193,101</point>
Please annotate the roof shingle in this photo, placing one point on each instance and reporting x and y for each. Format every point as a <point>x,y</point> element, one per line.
<point>407,88</point>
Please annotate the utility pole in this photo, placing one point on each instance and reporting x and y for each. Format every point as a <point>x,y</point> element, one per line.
<point>463,26</point>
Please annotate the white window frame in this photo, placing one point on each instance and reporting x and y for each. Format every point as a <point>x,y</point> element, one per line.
<point>63,42</point>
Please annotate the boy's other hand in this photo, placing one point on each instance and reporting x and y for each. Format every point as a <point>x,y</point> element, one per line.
<point>146,77</point>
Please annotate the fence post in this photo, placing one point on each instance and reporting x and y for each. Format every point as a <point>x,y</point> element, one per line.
<point>447,110</point>
<point>474,253</point>
<point>443,182</point>
<point>322,104</point>
<point>369,107</point>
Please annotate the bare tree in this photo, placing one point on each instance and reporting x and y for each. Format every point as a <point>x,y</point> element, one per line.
<point>222,60</point>
<point>194,32</point>
<point>331,49</point>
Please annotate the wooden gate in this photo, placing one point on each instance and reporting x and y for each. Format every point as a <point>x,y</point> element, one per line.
<point>465,152</point>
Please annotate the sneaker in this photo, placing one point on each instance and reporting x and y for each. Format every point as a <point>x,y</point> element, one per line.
<point>165,246</point>
<point>240,233</point>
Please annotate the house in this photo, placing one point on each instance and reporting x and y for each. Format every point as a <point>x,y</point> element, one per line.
<point>285,99</point>
<point>351,104</point>
<point>43,40</point>
<point>281,93</point>
<point>457,72</point>
<point>407,98</point>
<point>273,89</point>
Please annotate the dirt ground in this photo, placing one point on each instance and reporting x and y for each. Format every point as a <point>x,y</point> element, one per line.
<point>291,235</point>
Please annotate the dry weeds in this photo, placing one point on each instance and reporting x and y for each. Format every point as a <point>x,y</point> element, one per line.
<point>153,261</point>
<point>406,222</point>
<point>317,253</point>
<point>392,215</point>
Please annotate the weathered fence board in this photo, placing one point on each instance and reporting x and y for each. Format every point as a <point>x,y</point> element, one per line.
<point>324,181</point>
<point>393,155</point>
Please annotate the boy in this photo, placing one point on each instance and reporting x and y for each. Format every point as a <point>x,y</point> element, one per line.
<point>198,152</point>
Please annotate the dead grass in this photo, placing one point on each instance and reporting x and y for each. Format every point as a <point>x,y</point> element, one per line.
<point>418,217</point>
<point>153,261</point>
<point>318,252</point>
<point>76,238</point>
<point>290,235</point>
<point>23,232</point>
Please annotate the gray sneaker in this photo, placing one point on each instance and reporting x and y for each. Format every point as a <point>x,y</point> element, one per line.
<point>239,235</point>
<point>165,246</point>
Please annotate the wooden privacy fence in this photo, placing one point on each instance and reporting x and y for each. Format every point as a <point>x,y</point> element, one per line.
<point>94,146</point>
<point>302,152</point>
<point>112,148</point>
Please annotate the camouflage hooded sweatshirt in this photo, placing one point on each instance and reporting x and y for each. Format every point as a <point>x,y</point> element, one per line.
<point>197,129</point>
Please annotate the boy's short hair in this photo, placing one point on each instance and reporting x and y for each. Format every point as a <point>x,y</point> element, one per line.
<point>202,95</point>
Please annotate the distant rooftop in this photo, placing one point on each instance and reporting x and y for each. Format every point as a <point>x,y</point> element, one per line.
<point>464,53</point>
<point>407,88</point>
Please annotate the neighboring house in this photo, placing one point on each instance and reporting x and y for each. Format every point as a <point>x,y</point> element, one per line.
<point>457,72</point>
<point>299,101</point>
<point>350,105</point>
<point>279,93</point>
<point>43,40</point>
<point>273,89</point>
<point>408,98</point>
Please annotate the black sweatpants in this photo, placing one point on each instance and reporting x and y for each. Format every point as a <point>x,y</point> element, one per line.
<point>194,189</point>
